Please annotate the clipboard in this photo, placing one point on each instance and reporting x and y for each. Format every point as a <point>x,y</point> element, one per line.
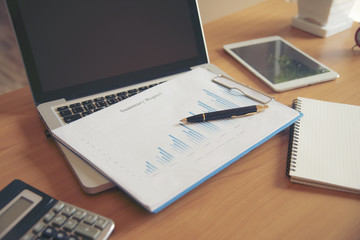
<point>156,159</point>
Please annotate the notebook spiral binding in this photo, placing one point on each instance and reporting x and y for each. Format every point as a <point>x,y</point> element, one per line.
<point>293,140</point>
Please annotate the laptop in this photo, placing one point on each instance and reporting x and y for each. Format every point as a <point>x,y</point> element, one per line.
<point>84,55</point>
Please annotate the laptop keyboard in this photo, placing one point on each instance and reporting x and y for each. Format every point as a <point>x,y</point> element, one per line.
<point>75,111</point>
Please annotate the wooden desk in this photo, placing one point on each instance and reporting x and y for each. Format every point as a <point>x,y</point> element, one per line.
<point>251,199</point>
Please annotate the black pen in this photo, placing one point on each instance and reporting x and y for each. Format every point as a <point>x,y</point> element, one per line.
<point>234,112</point>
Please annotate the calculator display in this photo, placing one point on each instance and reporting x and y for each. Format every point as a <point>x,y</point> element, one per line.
<point>16,209</point>
<point>14,212</point>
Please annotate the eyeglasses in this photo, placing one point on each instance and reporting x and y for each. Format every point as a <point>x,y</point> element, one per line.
<point>241,89</point>
<point>357,38</point>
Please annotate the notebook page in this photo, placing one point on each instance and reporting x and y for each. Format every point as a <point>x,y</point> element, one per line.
<point>329,143</point>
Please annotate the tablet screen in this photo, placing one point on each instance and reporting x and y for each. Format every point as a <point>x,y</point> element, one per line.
<point>278,62</point>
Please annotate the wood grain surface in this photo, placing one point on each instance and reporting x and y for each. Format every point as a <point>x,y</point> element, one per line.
<point>252,198</point>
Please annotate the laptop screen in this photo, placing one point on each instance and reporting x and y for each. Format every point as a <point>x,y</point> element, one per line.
<point>73,48</point>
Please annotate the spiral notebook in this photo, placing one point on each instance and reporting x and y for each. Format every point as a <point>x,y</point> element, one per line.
<point>324,149</point>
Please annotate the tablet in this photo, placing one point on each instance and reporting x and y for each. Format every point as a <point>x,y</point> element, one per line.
<point>279,64</point>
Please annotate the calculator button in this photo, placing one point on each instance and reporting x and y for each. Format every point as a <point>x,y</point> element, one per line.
<point>59,221</point>
<point>101,223</point>
<point>48,232</point>
<point>79,214</point>
<point>72,238</point>
<point>38,227</point>
<point>70,224</point>
<point>49,216</point>
<point>60,236</point>
<point>68,210</point>
<point>90,219</point>
<point>87,231</point>
<point>28,236</point>
<point>58,206</point>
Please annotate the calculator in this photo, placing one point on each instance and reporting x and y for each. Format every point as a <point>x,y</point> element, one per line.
<point>29,214</point>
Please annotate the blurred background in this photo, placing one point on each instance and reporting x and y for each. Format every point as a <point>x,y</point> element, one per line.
<point>12,73</point>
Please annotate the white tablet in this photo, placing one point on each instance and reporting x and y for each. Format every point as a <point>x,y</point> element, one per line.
<point>279,64</point>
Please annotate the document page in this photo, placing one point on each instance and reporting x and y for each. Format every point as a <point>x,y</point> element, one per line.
<point>141,145</point>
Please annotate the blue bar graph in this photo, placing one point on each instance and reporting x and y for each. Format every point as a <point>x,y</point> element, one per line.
<point>179,145</point>
<point>221,101</point>
<point>187,137</point>
<point>210,127</point>
<point>164,157</point>
<point>193,134</point>
<point>150,168</point>
<point>207,107</point>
